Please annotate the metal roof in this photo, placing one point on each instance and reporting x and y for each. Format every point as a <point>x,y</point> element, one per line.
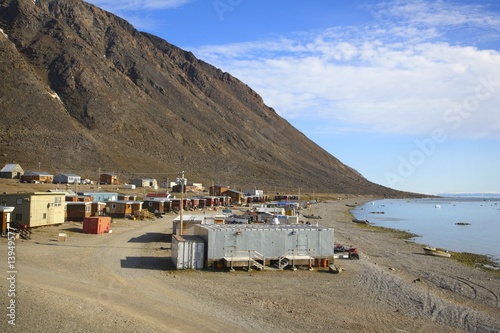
<point>37,173</point>
<point>10,167</point>
<point>263,227</point>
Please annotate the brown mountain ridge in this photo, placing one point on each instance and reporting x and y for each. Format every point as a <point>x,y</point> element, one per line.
<point>82,89</point>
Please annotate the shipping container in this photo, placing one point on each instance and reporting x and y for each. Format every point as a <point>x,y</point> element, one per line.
<point>187,252</point>
<point>96,224</point>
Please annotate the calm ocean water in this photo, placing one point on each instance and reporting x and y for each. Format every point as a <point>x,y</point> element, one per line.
<point>434,221</point>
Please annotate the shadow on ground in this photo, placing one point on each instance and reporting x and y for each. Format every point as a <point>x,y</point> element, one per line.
<point>153,263</point>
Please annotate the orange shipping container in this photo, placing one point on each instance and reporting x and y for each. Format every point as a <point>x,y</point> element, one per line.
<point>96,224</point>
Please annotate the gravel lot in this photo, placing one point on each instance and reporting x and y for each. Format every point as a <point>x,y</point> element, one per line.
<point>124,282</point>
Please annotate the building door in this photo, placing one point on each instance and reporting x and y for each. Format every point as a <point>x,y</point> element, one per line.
<point>302,243</point>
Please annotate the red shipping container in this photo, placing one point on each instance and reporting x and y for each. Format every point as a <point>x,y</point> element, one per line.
<point>96,224</point>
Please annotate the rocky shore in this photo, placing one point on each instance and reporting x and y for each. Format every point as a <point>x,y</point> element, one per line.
<point>123,282</point>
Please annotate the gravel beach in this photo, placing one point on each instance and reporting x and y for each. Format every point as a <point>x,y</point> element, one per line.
<point>123,282</point>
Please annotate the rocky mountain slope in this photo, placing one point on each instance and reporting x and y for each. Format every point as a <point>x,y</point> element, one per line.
<point>82,90</point>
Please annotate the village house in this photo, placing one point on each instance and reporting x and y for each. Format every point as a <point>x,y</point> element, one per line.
<point>237,197</point>
<point>109,179</point>
<point>78,210</point>
<point>100,196</point>
<point>254,195</point>
<point>176,204</point>
<point>37,208</point>
<point>217,201</point>
<point>145,182</point>
<point>188,187</point>
<point>129,197</point>
<point>67,178</point>
<point>75,197</point>
<point>11,171</point>
<point>160,205</point>
<point>37,177</point>
<point>122,208</point>
<point>217,190</point>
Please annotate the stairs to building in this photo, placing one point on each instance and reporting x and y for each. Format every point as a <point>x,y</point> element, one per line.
<point>250,257</point>
<point>283,262</point>
<point>21,229</point>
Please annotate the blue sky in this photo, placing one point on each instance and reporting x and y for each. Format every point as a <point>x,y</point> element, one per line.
<point>405,92</point>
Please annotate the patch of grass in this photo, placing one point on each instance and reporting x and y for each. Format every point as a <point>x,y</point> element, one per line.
<point>396,233</point>
<point>477,260</point>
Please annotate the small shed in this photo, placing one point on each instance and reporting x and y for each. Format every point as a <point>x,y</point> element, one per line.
<point>12,171</point>
<point>96,224</point>
<point>160,205</point>
<point>122,208</point>
<point>188,252</point>
<point>5,218</point>
<point>78,210</point>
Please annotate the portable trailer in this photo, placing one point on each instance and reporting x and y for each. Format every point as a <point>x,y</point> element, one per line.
<point>262,245</point>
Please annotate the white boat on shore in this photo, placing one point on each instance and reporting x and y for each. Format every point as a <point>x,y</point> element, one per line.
<point>432,251</point>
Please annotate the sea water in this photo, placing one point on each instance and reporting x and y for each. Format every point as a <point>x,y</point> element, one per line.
<point>434,221</point>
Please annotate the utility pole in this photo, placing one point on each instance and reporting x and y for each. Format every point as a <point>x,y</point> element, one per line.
<point>182,202</point>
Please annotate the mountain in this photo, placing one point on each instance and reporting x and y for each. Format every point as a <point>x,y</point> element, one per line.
<point>83,90</point>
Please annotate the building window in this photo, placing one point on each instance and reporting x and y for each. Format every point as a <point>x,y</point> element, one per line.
<point>57,201</point>
<point>19,201</point>
<point>150,204</point>
<point>113,206</point>
<point>87,208</point>
<point>44,216</point>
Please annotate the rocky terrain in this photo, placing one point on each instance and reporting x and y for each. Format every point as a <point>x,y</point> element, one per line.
<point>83,90</point>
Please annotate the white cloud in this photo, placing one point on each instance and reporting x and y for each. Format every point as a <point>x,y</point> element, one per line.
<point>400,78</point>
<point>438,13</point>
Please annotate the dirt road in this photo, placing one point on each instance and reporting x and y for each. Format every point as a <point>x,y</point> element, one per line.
<point>124,282</point>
